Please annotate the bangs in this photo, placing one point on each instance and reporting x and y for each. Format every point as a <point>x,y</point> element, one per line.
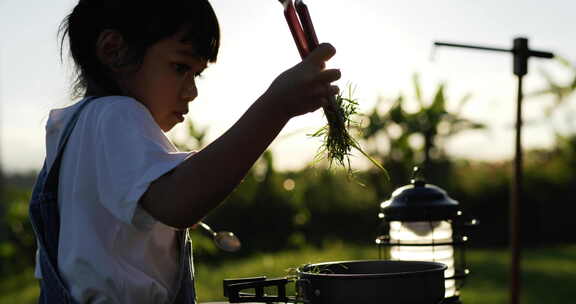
<point>194,21</point>
<point>204,34</point>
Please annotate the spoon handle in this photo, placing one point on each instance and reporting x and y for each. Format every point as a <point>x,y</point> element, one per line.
<point>207,228</point>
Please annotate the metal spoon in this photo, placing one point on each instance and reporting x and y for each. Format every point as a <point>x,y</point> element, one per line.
<point>224,240</point>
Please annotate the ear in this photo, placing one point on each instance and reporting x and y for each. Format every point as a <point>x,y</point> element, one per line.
<point>110,49</point>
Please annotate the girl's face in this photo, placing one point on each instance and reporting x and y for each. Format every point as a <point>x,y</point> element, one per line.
<point>165,80</point>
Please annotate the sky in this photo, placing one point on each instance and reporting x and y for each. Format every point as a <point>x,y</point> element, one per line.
<point>380,45</point>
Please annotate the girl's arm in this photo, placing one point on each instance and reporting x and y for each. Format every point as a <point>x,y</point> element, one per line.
<point>189,192</point>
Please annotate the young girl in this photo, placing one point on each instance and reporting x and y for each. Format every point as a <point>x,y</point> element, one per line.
<point>114,197</point>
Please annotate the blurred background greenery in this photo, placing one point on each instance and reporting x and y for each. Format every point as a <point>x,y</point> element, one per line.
<point>289,218</point>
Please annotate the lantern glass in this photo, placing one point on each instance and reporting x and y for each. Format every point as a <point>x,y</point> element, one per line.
<point>425,241</point>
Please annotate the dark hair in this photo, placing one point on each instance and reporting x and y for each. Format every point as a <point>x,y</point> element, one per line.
<point>141,24</point>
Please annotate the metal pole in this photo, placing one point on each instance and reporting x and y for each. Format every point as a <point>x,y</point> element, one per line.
<point>521,53</point>
<point>475,47</point>
<point>515,205</point>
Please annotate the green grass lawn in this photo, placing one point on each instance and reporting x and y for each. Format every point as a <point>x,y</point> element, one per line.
<point>549,274</point>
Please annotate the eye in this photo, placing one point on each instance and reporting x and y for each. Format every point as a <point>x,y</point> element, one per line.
<point>181,68</point>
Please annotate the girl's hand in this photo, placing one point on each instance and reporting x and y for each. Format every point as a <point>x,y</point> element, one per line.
<point>305,87</point>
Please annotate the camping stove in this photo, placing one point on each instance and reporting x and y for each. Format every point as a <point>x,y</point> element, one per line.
<point>345,282</point>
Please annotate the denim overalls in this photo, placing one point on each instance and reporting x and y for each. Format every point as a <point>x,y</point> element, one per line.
<point>46,223</point>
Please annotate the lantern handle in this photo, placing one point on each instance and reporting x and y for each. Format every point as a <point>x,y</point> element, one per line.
<point>417,178</point>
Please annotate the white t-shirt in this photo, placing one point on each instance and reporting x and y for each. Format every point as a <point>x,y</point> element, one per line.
<point>111,250</point>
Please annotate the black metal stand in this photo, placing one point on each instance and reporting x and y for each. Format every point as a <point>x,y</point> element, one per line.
<point>521,53</point>
<point>233,290</point>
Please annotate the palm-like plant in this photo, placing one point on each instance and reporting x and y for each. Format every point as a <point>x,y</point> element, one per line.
<point>431,122</point>
<point>560,91</point>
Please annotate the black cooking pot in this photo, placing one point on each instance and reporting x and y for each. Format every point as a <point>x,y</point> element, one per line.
<point>370,282</point>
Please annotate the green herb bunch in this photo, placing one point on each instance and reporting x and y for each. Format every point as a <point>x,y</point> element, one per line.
<point>337,143</point>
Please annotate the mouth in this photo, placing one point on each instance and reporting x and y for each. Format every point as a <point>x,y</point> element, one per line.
<point>180,115</point>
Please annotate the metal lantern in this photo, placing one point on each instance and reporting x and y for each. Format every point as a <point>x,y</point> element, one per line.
<point>420,222</point>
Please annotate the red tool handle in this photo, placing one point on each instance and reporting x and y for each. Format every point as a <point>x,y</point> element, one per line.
<point>295,28</point>
<point>301,28</point>
<point>304,35</point>
<point>307,25</point>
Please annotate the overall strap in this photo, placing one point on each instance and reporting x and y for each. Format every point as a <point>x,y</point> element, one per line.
<point>54,172</point>
<point>45,219</point>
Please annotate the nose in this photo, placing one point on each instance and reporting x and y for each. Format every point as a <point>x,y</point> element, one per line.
<point>189,89</point>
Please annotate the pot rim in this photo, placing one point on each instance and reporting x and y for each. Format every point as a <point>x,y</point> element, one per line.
<point>439,268</point>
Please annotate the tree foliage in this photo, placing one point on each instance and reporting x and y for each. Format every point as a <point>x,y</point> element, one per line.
<point>415,138</point>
